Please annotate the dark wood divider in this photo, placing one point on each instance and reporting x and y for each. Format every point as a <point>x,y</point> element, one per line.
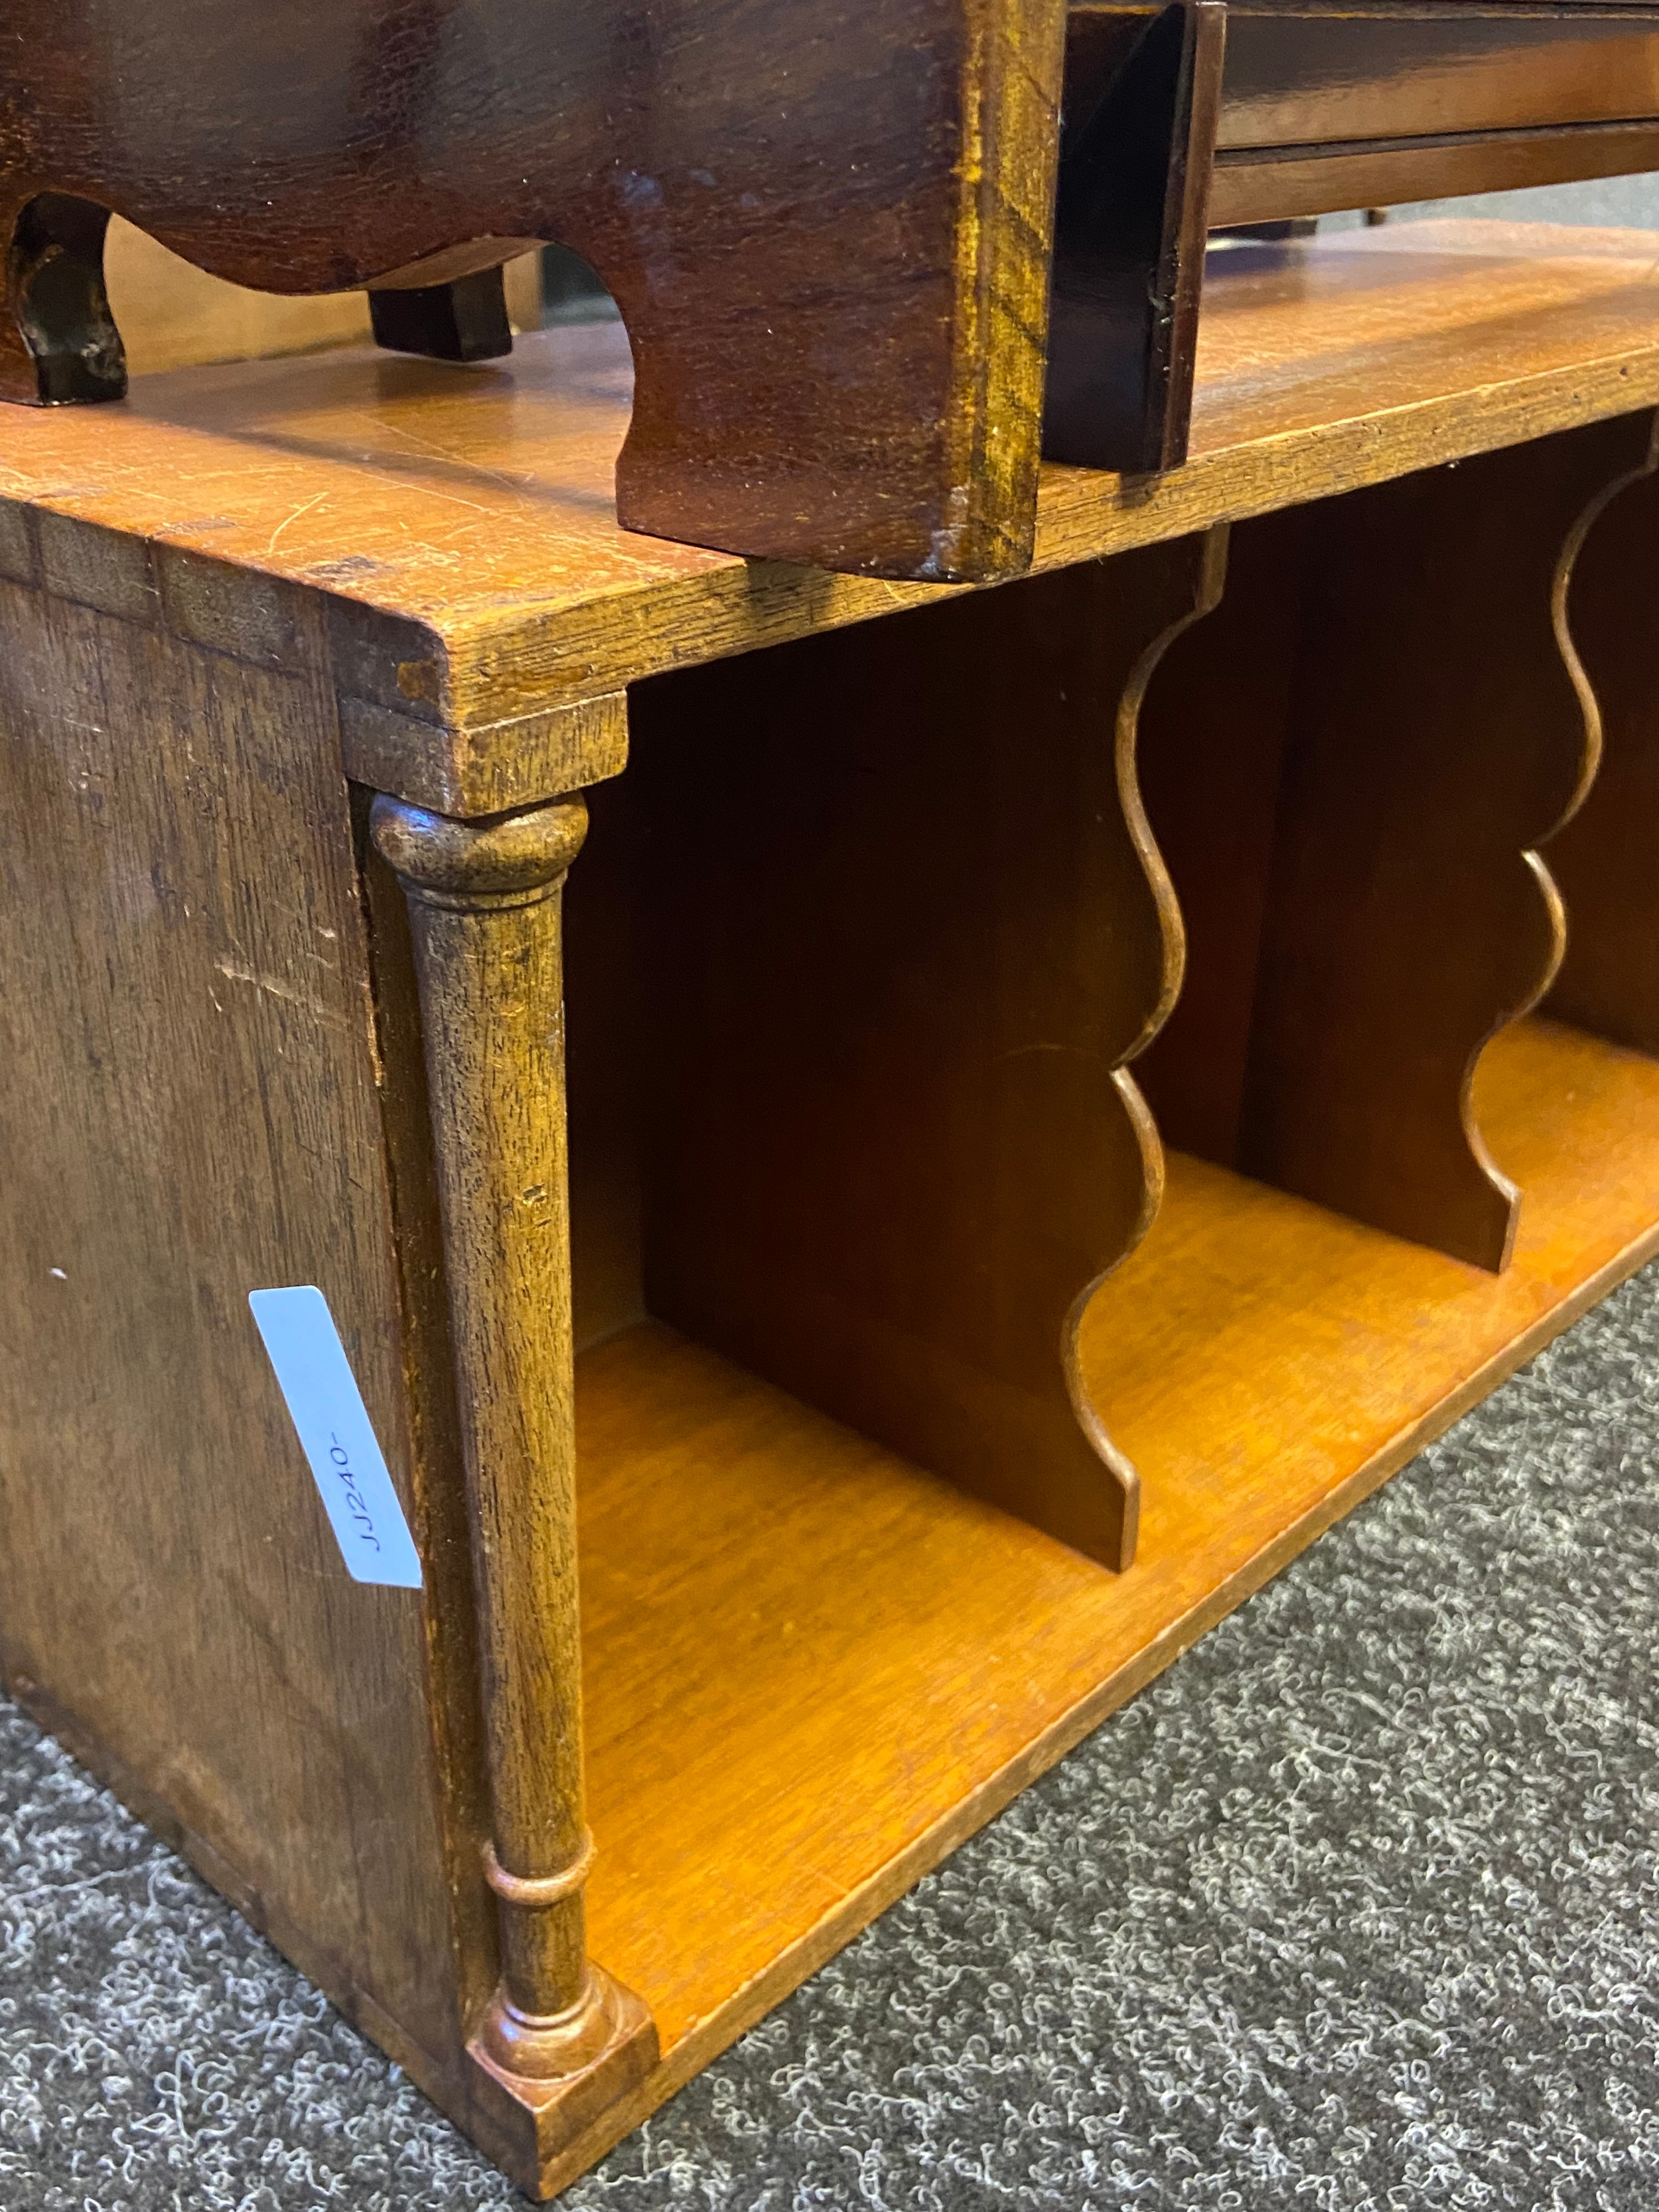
<point>1607,860</point>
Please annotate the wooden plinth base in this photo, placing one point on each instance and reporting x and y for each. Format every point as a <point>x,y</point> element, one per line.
<point>811,1671</point>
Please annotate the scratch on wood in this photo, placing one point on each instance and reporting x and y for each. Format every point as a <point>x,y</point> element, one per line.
<point>269,984</point>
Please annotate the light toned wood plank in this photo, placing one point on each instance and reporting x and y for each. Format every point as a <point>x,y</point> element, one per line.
<point>463,521</point>
<point>811,1671</point>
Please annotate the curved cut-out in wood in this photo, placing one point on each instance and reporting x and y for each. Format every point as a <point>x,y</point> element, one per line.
<point>905,928</point>
<point>1606,860</point>
<point>829,247</point>
<point>1349,772</point>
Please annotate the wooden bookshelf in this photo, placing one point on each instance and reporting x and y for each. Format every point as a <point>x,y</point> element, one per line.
<point>813,1670</point>
<point>920,923</point>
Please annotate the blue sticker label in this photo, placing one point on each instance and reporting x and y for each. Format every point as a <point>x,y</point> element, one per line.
<point>328,1414</point>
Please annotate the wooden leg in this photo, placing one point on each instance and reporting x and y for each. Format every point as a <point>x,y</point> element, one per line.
<point>59,342</point>
<point>904,930</point>
<point>1141,106</point>
<point>483,904</point>
<point>465,320</point>
<point>1607,860</point>
<point>1388,702</point>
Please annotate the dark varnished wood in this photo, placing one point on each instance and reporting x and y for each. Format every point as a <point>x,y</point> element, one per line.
<point>1304,76</point>
<point>1138,126</point>
<point>828,237</point>
<point>462,321</point>
<point>904,930</point>
<point>1249,189</point>
<point>832,239</point>
<point>1317,107</point>
<point>1346,797</point>
<point>1607,860</point>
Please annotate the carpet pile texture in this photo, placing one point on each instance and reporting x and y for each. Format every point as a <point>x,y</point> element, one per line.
<point>1356,1906</point>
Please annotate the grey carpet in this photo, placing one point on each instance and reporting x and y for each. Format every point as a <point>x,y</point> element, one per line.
<point>1356,1906</point>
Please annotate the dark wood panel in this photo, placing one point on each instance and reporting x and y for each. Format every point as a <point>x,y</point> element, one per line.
<point>827,230</point>
<point>1606,859</point>
<point>1138,128</point>
<point>1213,731</point>
<point>1308,78</point>
<point>1249,187</point>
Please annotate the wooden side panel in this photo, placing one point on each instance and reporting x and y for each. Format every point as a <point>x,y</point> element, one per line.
<point>1328,108</point>
<point>1250,186</point>
<point>1435,731</point>
<point>1607,860</point>
<point>904,931</point>
<point>187,1112</point>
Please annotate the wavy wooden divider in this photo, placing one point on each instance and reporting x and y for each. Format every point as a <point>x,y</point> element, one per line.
<point>1607,860</point>
<point>903,928</point>
<point>1349,772</point>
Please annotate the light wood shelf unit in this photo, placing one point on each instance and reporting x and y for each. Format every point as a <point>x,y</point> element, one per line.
<point>813,1670</point>
<point>276,630</point>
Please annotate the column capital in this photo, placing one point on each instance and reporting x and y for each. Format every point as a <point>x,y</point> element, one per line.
<point>506,859</point>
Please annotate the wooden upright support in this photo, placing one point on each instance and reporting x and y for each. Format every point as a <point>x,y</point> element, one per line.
<point>484,902</point>
<point>1351,782</point>
<point>1606,859</point>
<point>906,930</point>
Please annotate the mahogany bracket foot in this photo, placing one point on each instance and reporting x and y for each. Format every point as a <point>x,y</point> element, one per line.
<point>58,342</point>
<point>465,320</point>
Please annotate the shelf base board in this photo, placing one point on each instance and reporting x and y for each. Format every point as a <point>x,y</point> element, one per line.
<point>813,1670</point>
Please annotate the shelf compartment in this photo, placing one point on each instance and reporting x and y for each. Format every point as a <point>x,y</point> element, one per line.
<point>813,1670</point>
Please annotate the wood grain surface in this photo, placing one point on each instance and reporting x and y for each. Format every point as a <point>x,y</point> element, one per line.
<point>1300,78</point>
<point>462,524</point>
<point>809,1669</point>
<point>483,917</point>
<point>867,1665</point>
<point>830,240</point>
<point>901,931</point>
<point>1603,860</point>
<point>1131,212</point>
<point>189,1107</point>
<point>828,237</point>
<point>1369,834</point>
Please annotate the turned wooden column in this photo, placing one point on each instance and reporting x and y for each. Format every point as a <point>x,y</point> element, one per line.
<point>484,910</point>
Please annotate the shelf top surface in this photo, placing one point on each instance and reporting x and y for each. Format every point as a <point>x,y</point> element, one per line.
<point>478,503</point>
